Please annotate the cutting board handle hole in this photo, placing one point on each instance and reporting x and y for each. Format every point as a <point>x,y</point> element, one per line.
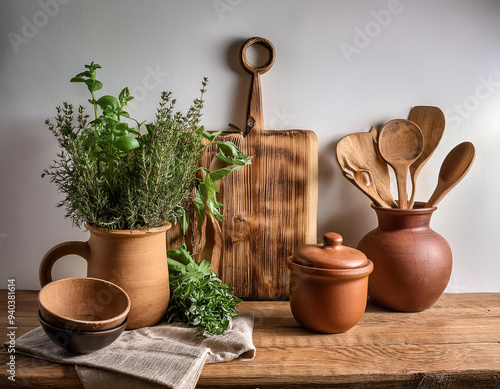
<point>257,55</point>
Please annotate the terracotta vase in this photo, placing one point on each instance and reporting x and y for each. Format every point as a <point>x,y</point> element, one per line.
<point>412,262</point>
<point>134,260</point>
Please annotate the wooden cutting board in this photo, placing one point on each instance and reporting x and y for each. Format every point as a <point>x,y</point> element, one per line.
<point>270,206</point>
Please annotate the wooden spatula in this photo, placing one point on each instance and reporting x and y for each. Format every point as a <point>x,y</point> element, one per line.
<point>431,122</point>
<point>360,150</point>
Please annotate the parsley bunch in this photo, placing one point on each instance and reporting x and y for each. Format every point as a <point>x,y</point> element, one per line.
<point>197,295</point>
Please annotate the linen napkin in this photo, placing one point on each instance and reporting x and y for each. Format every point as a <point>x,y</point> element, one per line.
<point>162,356</point>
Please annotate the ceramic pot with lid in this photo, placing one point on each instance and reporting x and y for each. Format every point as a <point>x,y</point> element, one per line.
<point>328,285</point>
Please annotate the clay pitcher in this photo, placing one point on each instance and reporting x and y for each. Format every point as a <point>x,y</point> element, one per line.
<point>134,260</point>
<point>412,262</point>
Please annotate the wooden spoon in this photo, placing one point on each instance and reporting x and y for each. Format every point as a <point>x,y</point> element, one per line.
<point>400,143</point>
<point>431,122</point>
<point>361,151</point>
<point>455,166</point>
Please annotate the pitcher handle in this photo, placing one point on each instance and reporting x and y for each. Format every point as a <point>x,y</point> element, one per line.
<point>74,247</point>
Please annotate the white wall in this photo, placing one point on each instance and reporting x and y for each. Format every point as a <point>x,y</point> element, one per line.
<point>444,53</point>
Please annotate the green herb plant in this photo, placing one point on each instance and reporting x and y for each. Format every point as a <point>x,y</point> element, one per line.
<point>198,296</point>
<point>117,176</point>
<point>120,177</point>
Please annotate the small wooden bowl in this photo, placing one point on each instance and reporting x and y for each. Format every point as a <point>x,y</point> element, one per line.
<point>81,342</point>
<point>84,304</point>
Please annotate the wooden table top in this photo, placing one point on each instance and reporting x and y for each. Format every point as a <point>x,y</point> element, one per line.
<point>454,344</point>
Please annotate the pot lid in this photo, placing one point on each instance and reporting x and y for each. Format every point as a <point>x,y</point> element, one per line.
<point>330,255</point>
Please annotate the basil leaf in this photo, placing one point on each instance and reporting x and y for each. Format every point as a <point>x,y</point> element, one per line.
<point>124,94</point>
<point>184,219</point>
<point>122,127</point>
<point>233,161</point>
<point>228,148</point>
<point>108,100</point>
<point>93,85</point>
<point>174,265</point>
<point>210,135</point>
<point>126,143</point>
<point>218,174</point>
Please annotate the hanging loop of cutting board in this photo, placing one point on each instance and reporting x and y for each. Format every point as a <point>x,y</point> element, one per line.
<point>255,121</point>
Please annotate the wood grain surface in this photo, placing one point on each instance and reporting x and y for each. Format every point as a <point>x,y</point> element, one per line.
<point>270,206</point>
<point>270,209</point>
<point>454,344</point>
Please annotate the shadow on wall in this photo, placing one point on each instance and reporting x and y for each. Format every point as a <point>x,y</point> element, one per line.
<point>354,216</point>
<point>241,95</point>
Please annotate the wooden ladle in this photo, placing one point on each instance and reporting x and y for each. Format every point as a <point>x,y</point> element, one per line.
<point>400,143</point>
<point>455,166</point>
<point>431,122</point>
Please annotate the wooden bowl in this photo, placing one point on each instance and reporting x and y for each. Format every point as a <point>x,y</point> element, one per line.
<point>81,342</point>
<point>84,304</point>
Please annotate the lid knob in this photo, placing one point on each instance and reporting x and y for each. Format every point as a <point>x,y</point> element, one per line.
<point>329,255</point>
<point>332,239</point>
